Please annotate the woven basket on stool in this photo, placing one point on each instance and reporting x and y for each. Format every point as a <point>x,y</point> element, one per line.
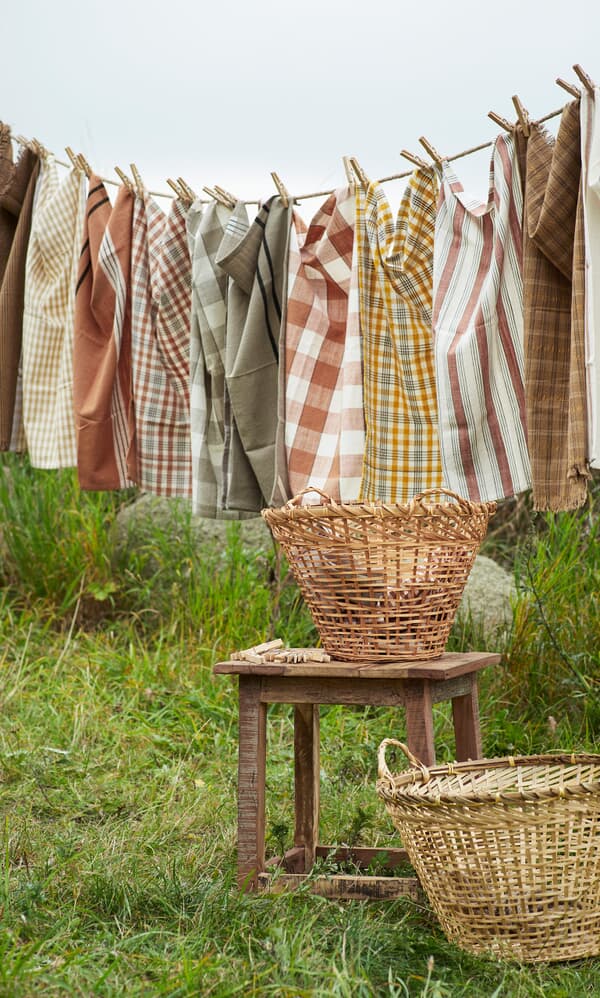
<point>508,850</point>
<point>382,581</point>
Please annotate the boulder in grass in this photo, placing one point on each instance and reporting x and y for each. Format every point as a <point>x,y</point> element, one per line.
<point>156,526</point>
<point>488,596</point>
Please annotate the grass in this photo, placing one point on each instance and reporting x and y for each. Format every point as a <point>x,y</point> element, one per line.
<point>118,765</point>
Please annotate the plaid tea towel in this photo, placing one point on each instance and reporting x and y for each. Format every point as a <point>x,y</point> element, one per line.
<point>48,319</point>
<point>590,152</point>
<point>395,266</point>
<point>325,438</point>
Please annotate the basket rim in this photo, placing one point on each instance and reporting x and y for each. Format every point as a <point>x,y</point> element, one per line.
<point>415,785</point>
<point>420,504</point>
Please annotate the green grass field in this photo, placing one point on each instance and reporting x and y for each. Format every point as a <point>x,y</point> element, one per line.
<point>118,754</point>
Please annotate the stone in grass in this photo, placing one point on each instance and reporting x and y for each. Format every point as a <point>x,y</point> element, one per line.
<point>488,597</point>
<point>153,522</point>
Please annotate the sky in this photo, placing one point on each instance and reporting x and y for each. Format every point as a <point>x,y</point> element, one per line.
<point>225,92</point>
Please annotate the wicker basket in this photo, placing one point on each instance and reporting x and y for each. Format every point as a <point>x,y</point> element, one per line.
<point>508,850</point>
<point>382,581</point>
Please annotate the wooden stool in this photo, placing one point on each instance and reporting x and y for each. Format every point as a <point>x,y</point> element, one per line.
<point>414,686</point>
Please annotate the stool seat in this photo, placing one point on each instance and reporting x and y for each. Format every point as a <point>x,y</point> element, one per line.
<point>415,686</point>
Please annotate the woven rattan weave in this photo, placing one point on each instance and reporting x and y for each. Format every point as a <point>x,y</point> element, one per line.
<point>382,581</point>
<point>508,850</point>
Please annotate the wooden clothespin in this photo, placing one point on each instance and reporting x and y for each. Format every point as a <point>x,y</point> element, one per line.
<point>216,196</point>
<point>414,159</point>
<point>74,161</point>
<point>569,87</point>
<point>36,146</point>
<point>124,179</point>
<point>503,122</point>
<point>281,189</point>
<point>358,170</point>
<point>83,164</point>
<point>177,190</point>
<point>231,198</point>
<point>522,115</point>
<point>587,81</point>
<point>185,187</point>
<point>348,171</point>
<point>139,183</point>
<point>431,150</point>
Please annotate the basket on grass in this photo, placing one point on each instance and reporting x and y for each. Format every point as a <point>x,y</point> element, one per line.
<point>382,580</point>
<point>508,850</point>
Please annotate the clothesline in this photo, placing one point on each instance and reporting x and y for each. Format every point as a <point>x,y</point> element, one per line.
<point>314,194</point>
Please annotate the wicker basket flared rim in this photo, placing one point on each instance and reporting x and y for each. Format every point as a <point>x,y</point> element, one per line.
<point>509,779</point>
<point>423,504</point>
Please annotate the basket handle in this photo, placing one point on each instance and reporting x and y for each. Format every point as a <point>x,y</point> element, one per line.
<point>382,766</point>
<point>309,488</point>
<point>440,491</point>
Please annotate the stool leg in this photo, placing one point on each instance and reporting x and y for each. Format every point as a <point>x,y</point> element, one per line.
<point>467,731</point>
<point>251,782</point>
<point>419,720</point>
<point>306,779</point>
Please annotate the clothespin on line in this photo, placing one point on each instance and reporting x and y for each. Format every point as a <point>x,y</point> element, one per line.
<point>124,179</point>
<point>348,171</point>
<point>74,161</point>
<point>503,122</point>
<point>281,189</point>
<point>177,190</point>
<point>431,150</point>
<point>33,145</point>
<point>139,183</point>
<point>416,160</point>
<point>185,187</point>
<point>522,115</point>
<point>231,198</point>
<point>216,196</point>
<point>358,170</point>
<point>587,81</point>
<point>569,87</point>
<point>83,164</point>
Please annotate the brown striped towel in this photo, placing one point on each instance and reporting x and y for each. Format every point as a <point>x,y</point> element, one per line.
<point>102,345</point>
<point>254,257</point>
<point>17,186</point>
<point>555,418</point>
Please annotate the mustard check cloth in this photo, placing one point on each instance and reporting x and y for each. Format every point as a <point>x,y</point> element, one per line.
<point>395,266</point>
<point>48,319</point>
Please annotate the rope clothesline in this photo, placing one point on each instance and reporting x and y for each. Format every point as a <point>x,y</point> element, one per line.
<point>314,194</point>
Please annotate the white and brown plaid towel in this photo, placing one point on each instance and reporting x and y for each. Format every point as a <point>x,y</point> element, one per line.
<point>324,418</point>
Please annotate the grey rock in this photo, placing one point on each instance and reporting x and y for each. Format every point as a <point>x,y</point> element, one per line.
<point>488,595</point>
<point>152,522</point>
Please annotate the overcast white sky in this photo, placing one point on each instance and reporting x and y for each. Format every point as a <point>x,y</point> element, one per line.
<point>227,91</point>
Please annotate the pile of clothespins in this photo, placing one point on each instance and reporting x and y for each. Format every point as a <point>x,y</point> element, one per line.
<point>274,651</point>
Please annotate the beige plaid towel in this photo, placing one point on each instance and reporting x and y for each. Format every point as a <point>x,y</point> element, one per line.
<point>478,326</point>
<point>324,428</point>
<point>160,283</point>
<point>17,186</point>
<point>102,346</point>
<point>402,455</point>
<point>48,319</point>
<point>552,185</point>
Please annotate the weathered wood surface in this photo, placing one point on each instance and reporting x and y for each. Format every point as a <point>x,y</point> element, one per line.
<point>306,779</point>
<point>449,665</point>
<point>251,784</point>
<point>467,730</point>
<point>343,886</point>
